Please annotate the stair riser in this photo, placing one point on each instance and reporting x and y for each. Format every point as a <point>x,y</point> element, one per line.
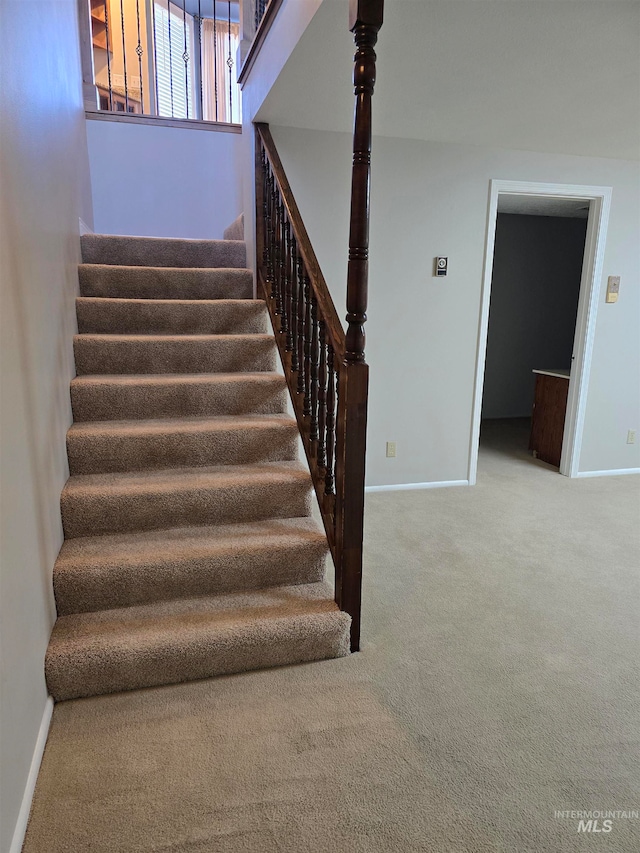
<point>141,251</point>
<point>94,587</point>
<point>278,642</point>
<point>113,453</point>
<point>158,283</point>
<point>113,511</point>
<point>219,355</point>
<point>106,402</point>
<point>150,317</point>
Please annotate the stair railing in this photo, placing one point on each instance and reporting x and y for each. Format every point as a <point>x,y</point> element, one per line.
<point>325,368</point>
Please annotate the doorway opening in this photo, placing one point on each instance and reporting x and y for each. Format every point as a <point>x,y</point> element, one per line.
<point>543,266</point>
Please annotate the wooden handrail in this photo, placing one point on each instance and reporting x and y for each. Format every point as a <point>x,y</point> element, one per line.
<point>326,373</point>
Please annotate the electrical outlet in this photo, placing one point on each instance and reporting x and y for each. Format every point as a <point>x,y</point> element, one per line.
<point>391,449</point>
<point>631,436</point>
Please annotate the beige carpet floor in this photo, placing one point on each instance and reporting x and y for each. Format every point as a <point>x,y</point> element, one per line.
<point>497,684</point>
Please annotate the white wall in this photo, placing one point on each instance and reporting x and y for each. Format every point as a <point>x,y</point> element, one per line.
<point>535,285</point>
<point>289,24</point>
<point>44,189</point>
<point>431,199</point>
<point>159,181</point>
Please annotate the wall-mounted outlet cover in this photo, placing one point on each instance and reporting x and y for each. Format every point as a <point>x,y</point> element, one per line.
<point>391,449</point>
<point>631,436</point>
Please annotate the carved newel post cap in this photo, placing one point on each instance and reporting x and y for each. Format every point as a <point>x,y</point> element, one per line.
<point>368,12</point>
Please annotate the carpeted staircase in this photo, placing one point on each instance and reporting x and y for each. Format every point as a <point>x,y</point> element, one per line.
<point>189,549</point>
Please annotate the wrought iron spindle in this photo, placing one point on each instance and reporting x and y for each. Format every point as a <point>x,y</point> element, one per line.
<point>215,58</point>
<point>286,314</point>
<point>229,64</point>
<point>302,313</point>
<point>170,55</point>
<point>185,56</point>
<point>313,369</point>
<point>108,45</point>
<point>307,347</point>
<point>322,398</point>
<point>329,477</point>
<point>265,211</point>
<point>276,253</point>
<point>294,304</point>
<point>282,248</point>
<point>271,235</point>
<point>200,55</point>
<point>139,51</point>
<point>124,59</point>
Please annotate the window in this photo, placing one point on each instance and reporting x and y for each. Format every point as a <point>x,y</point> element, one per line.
<point>174,57</point>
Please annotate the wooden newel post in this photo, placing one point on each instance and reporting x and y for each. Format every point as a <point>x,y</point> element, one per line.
<point>365,22</point>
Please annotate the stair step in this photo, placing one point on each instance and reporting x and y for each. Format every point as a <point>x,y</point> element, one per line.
<point>122,397</point>
<point>122,570</point>
<point>130,282</point>
<point>173,353</point>
<point>183,640</point>
<point>161,251</point>
<point>93,504</point>
<point>235,231</point>
<point>97,447</point>
<point>104,316</point>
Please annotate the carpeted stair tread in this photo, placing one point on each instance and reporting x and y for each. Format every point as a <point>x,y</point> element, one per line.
<point>93,504</point>
<point>98,315</point>
<point>162,251</point>
<point>174,353</point>
<point>121,570</point>
<point>119,397</point>
<point>95,447</point>
<point>186,639</point>
<point>149,282</point>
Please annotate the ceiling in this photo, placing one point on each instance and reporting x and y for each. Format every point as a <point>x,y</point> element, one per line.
<point>531,205</point>
<point>559,76</point>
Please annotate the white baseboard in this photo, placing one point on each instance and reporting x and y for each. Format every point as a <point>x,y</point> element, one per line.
<point>25,808</point>
<point>611,473</point>
<point>405,487</point>
<point>84,228</point>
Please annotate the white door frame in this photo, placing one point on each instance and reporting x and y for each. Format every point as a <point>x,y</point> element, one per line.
<point>600,203</point>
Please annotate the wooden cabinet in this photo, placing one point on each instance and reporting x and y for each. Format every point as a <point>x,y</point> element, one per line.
<point>547,419</point>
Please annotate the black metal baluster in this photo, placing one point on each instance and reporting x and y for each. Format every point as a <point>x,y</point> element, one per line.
<point>282,249</point>
<point>271,226</point>
<point>124,60</point>
<point>230,64</point>
<point>276,254</point>
<point>107,43</point>
<point>329,476</point>
<point>286,283</point>
<point>265,213</point>
<point>170,55</point>
<point>307,347</point>
<point>200,58</point>
<point>215,57</point>
<point>313,370</point>
<point>185,55</point>
<point>139,51</point>
<point>302,313</point>
<point>294,304</point>
<point>322,399</point>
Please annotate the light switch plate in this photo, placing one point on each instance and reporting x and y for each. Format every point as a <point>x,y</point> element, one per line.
<point>613,288</point>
